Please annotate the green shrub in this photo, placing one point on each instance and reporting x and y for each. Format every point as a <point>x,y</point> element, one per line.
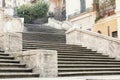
<point>33,11</point>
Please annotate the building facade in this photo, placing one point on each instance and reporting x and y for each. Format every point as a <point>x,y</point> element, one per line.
<point>13,3</point>
<point>58,8</point>
<point>107,21</point>
<point>81,12</point>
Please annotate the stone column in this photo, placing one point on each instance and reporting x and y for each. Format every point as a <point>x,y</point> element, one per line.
<point>12,42</point>
<point>43,62</point>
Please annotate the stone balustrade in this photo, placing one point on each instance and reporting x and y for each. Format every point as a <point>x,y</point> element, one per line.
<point>8,23</point>
<point>11,42</point>
<point>43,62</point>
<point>59,25</point>
<point>98,42</point>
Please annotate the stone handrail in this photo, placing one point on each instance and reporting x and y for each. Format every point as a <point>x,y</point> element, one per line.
<point>43,62</point>
<point>1,42</point>
<point>98,42</point>
<point>59,25</point>
<point>10,42</point>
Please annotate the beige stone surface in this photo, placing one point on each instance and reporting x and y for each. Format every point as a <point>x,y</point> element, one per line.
<point>98,42</point>
<point>1,19</point>
<point>59,25</point>
<point>13,24</point>
<point>12,42</point>
<point>86,20</point>
<point>1,41</point>
<point>8,23</point>
<point>43,62</point>
<point>103,24</point>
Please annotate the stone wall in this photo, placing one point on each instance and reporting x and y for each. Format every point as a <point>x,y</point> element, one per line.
<point>9,11</point>
<point>8,23</point>
<point>83,18</point>
<point>98,42</point>
<point>43,62</point>
<point>13,24</point>
<point>1,19</point>
<point>1,42</point>
<point>10,42</point>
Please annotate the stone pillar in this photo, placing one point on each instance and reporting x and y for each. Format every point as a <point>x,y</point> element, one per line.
<point>43,62</point>
<point>1,19</point>
<point>12,42</point>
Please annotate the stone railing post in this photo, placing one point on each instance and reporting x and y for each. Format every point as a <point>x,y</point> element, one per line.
<point>12,42</point>
<point>1,19</point>
<point>43,62</point>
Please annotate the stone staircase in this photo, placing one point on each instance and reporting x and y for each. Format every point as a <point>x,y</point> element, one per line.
<point>72,60</point>
<point>11,68</point>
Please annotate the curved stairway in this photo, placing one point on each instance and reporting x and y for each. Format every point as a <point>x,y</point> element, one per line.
<point>72,60</point>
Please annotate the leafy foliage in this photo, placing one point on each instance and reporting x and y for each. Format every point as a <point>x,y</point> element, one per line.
<point>33,11</point>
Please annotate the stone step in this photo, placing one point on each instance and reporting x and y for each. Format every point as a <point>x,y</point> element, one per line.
<point>87,69</point>
<point>44,37</point>
<point>18,75</point>
<point>32,42</point>
<point>88,61</point>
<point>50,44</point>
<point>84,57</point>
<point>80,54</point>
<point>58,48</point>
<point>44,33</point>
<point>6,57</point>
<point>88,66</point>
<point>1,51</point>
<point>89,73</point>
<point>43,43</point>
<point>12,65</point>
<point>9,61</point>
<point>54,46</point>
<point>18,70</point>
<point>4,54</point>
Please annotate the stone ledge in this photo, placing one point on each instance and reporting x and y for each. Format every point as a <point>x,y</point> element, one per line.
<point>92,34</point>
<point>41,61</point>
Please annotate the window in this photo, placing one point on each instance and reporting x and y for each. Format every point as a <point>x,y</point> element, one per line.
<point>99,32</point>
<point>83,5</point>
<point>115,34</point>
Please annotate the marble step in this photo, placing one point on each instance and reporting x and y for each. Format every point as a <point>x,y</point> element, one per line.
<point>89,62</point>
<point>84,57</point>
<point>87,69</point>
<point>4,54</point>
<point>88,65</point>
<point>18,75</point>
<point>12,70</point>
<point>9,61</point>
<point>6,57</point>
<point>82,54</point>
<point>89,73</point>
<point>12,65</point>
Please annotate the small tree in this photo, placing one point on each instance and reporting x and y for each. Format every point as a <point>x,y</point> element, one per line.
<point>33,11</point>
